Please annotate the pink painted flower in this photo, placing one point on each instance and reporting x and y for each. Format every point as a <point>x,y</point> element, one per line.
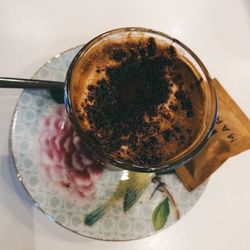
<point>63,160</point>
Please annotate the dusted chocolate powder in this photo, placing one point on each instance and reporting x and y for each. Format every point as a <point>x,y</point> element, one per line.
<point>138,101</point>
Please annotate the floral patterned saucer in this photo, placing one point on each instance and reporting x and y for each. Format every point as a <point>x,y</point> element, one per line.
<point>70,188</point>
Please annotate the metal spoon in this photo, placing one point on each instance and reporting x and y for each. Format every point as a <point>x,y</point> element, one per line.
<point>56,88</point>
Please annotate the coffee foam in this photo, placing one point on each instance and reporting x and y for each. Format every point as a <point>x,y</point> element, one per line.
<point>175,131</point>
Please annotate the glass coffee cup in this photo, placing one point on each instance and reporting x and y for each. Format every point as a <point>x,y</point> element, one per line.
<point>90,67</point>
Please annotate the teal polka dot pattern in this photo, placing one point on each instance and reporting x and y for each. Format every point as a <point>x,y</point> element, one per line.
<point>31,109</point>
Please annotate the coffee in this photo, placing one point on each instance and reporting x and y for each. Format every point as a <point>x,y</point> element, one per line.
<point>138,99</point>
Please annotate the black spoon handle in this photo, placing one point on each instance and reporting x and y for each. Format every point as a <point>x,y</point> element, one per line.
<point>6,82</point>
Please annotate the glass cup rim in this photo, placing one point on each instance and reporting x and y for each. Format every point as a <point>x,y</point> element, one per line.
<point>122,164</point>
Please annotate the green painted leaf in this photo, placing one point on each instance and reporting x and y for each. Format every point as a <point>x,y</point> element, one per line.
<point>57,95</point>
<point>160,214</point>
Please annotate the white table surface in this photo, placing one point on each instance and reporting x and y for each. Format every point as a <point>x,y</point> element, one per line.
<point>31,32</point>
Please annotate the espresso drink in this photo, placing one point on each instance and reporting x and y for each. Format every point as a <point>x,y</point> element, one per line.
<point>138,99</point>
